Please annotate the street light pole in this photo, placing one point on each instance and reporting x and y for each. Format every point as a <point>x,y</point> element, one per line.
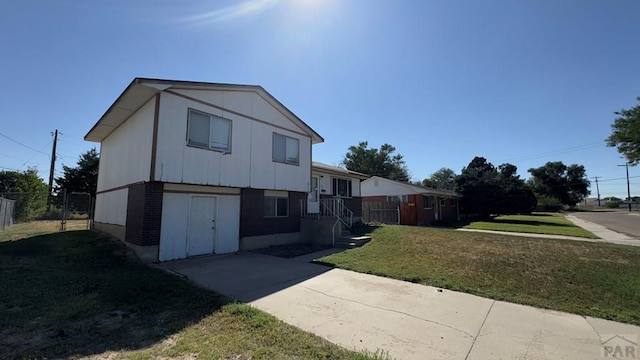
<point>626,165</point>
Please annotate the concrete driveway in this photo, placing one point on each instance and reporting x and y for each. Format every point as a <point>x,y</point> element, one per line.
<point>409,321</point>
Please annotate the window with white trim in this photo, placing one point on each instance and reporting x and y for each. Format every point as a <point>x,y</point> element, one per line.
<point>453,202</point>
<point>286,149</point>
<point>276,203</point>
<point>208,131</point>
<point>341,187</point>
<point>426,202</point>
<point>442,203</point>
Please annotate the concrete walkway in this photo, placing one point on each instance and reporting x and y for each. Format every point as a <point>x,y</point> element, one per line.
<point>409,321</point>
<point>605,235</point>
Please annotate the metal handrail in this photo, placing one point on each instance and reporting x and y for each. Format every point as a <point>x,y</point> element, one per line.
<point>329,207</point>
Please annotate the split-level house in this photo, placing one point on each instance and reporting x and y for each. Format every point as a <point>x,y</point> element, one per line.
<point>194,168</point>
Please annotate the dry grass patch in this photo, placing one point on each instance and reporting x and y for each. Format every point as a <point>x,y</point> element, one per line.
<point>74,295</point>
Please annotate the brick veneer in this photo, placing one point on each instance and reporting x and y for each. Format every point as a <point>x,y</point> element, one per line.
<point>144,214</point>
<point>253,222</point>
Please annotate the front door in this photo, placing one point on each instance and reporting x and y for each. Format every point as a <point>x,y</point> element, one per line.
<point>313,200</point>
<point>202,226</point>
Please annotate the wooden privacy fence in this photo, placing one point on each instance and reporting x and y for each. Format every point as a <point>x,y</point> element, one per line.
<point>384,212</point>
<point>6,212</point>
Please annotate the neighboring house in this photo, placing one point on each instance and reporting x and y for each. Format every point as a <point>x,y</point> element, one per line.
<point>331,184</point>
<point>193,168</point>
<point>418,205</point>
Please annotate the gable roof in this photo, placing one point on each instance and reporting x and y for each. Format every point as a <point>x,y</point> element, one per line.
<point>141,90</point>
<point>335,170</point>
<point>405,188</point>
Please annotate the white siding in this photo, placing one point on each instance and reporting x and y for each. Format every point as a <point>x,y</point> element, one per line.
<point>175,220</point>
<point>327,186</point>
<point>384,187</point>
<point>250,162</point>
<point>125,155</point>
<point>111,207</point>
<point>244,102</point>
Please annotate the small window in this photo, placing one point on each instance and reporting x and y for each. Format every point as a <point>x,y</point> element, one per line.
<point>286,149</point>
<point>341,187</point>
<point>442,203</point>
<point>453,202</point>
<point>208,131</point>
<point>426,202</point>
<point>276,204</point>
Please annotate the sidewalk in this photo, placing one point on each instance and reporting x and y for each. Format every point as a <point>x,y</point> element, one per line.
<point>406,320</point>
<point>606,235</point>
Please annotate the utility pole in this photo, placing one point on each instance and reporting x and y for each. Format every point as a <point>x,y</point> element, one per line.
<point>626,165</point>
<point>53,167</point>
<point>598,188</point>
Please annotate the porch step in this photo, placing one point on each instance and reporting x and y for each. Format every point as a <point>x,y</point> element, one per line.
<point>350,242</point>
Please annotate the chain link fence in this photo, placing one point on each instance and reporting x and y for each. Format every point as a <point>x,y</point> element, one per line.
<point>76,207</point>
<point>71,211</point>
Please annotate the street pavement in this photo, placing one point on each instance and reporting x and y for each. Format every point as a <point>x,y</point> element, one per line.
<point>621,221</point>
<point>406,320</point>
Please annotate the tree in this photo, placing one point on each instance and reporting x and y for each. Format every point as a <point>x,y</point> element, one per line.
<point>376,162</point>
<point>80,179</point>
<point>568,184</point>
<point>626,133</point>
<point>444,178</point>
<point>28,190</point>
<point>487,190</point>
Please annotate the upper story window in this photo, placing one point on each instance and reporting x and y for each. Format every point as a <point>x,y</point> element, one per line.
<point>208,131</point>
<point>286,149</point>
<point>341,187</point>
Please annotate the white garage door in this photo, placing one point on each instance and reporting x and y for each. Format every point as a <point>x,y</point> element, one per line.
<point>198,225</point>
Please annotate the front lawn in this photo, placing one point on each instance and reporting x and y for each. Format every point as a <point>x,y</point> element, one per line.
<point>541,223</point>
<point>595,279</point>
<point>74,294</point>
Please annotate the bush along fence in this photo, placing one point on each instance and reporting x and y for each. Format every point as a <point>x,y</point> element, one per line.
<point>25,207</point>
<point>7,207</point>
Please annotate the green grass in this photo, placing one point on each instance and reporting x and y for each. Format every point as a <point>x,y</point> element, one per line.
<point>595,279</point>
<point>541,223</point>
<point>74,294</point>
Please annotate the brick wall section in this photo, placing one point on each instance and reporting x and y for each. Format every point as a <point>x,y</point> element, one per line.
<point>449,211</point>
<point>144,214</point>
<point>253,222</point>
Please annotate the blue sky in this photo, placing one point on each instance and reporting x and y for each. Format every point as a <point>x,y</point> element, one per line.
<point>524,82</point>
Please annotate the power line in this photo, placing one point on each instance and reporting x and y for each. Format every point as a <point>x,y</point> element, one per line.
<point>9,168</point>
<point>19,143</point>
<point>33,157</point>
<point>556,152</point>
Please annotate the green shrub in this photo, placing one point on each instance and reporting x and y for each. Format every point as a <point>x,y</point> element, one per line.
<point>547,203</point>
